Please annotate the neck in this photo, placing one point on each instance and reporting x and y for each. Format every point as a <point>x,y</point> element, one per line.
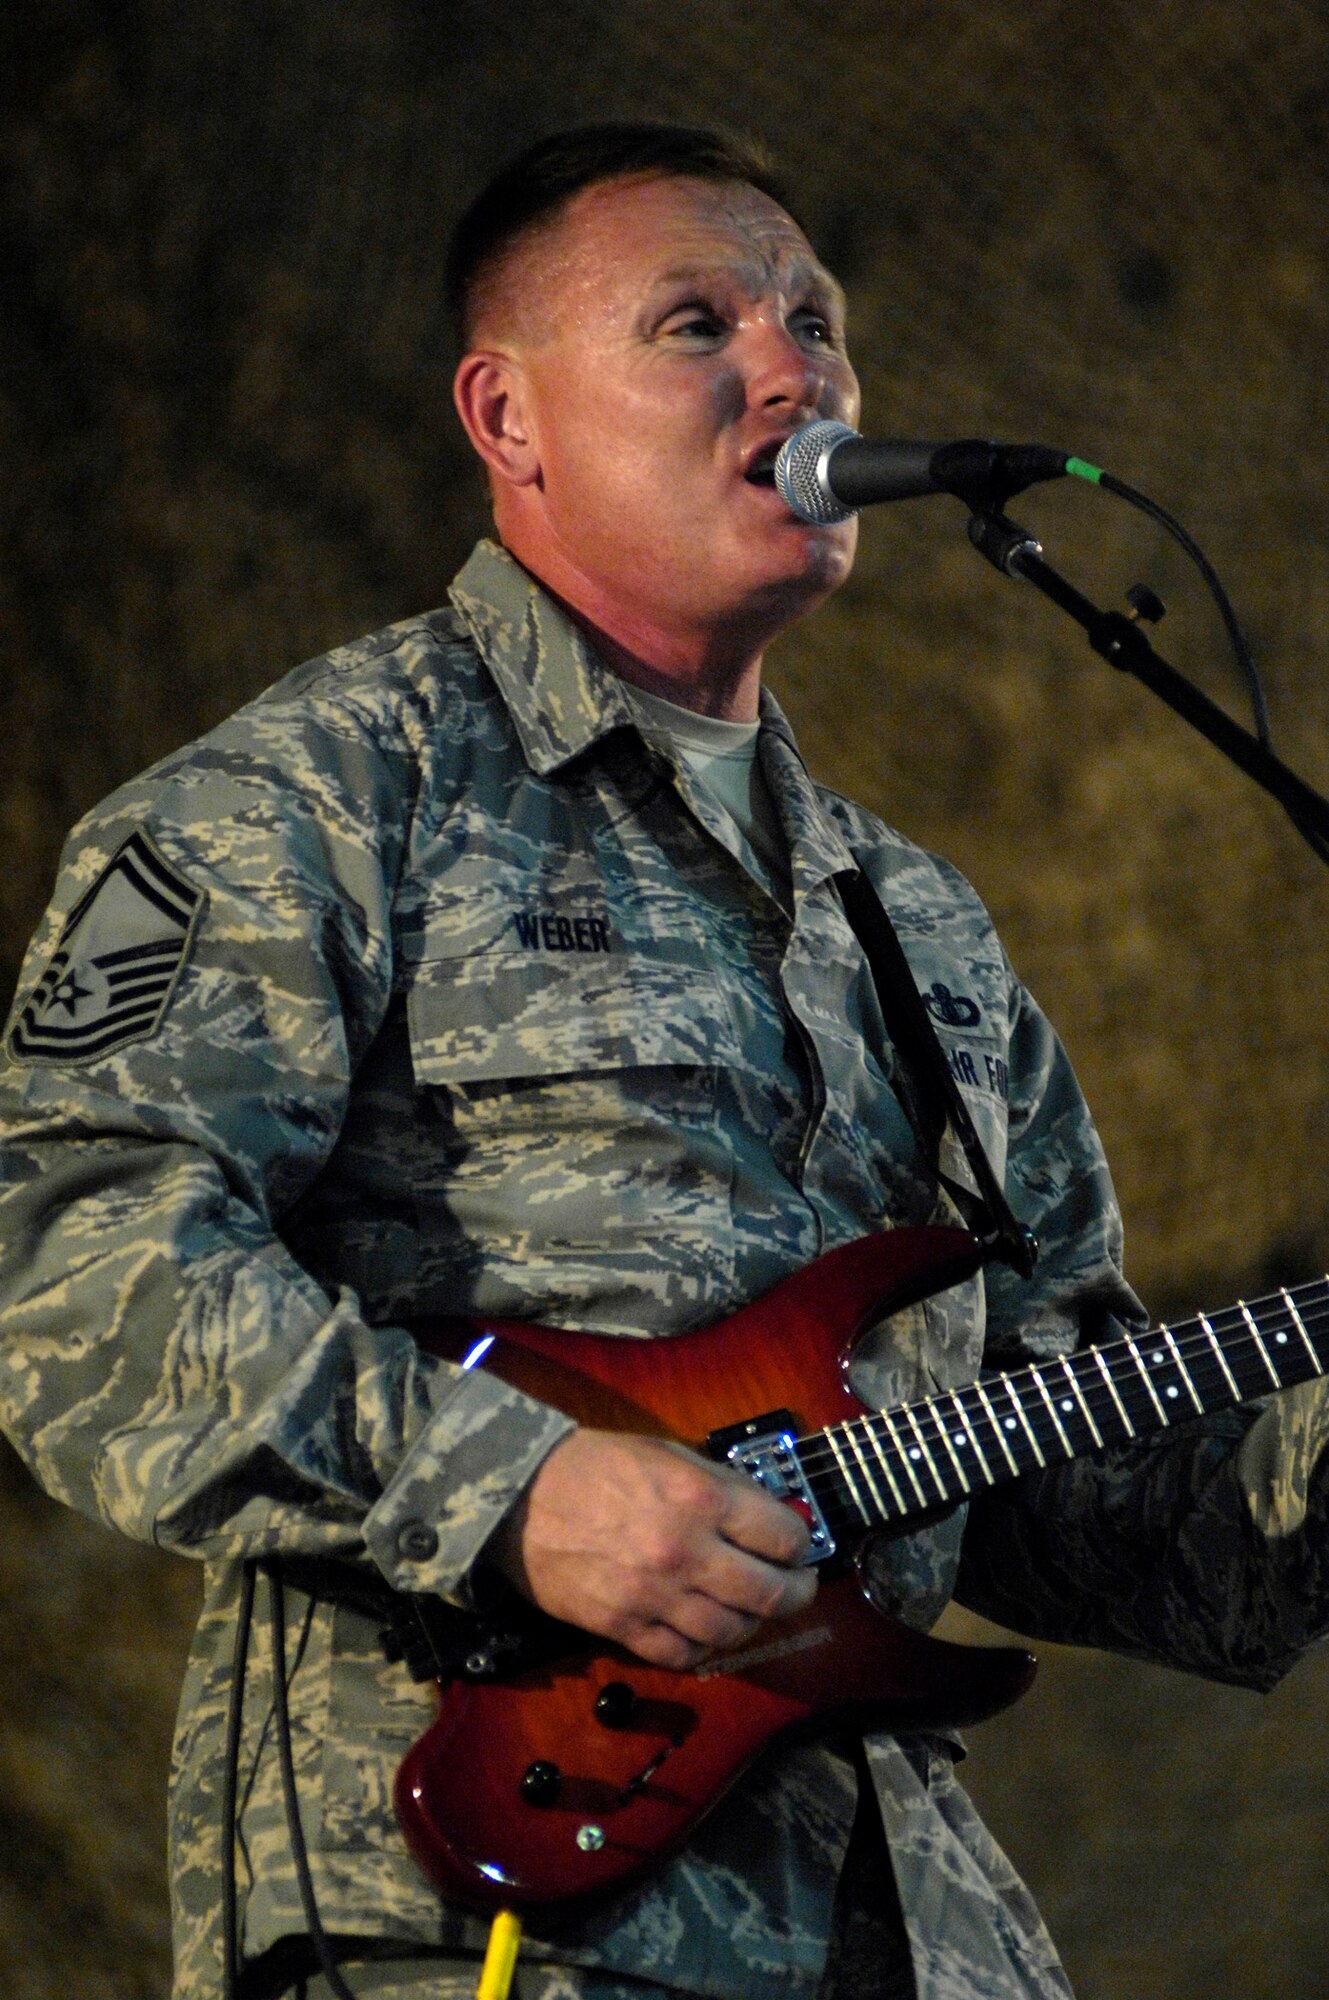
<point>708,685</point>
<point>712,667</point>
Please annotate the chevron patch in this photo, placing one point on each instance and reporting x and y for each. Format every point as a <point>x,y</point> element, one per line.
<point>115,966</point>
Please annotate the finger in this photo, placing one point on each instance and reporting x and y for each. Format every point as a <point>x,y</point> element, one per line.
<point>730,1503</point>
<point>763,1526</point>
<point>663,1645</point>
<point>697,1629</point>
<point>714,1626</point>
<point>749,1587</point>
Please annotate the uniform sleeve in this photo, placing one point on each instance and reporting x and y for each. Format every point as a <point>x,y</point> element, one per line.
<point>186,1033</point>
<point>1202,1548</point>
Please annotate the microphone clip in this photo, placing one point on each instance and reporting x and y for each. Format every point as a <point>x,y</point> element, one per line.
<point>986,475</point>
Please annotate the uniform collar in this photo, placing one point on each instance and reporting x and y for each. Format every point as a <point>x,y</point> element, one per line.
<point>817,848</point>
<point>558,691</point>
<point>562,698</point>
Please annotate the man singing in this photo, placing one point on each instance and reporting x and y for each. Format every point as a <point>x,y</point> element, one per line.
<point>499,963</point>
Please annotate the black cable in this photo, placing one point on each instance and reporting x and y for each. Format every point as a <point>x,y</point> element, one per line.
<point>231,1966</point>
<point>299,1852</point>
<point>1240,645</point>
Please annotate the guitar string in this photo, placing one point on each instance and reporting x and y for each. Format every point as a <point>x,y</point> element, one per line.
<point>1288,1316</point>
<point>1095,1397</point>
<point>950,1486</point>
<point>939,1416</point>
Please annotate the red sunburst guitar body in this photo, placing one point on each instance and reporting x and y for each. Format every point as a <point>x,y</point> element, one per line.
<point>570,1778</point>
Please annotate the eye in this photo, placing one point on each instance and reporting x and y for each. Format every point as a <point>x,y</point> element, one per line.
<point>694,320</point>
<point>809,325</point>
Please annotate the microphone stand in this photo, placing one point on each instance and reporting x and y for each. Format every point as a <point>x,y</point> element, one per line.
<point>1122,642</point>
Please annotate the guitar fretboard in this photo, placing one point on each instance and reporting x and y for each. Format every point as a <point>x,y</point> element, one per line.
<point>892,1464</point>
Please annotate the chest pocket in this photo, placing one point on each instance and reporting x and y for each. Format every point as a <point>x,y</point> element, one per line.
<point>590,1169</point>
<point>496,1014</point>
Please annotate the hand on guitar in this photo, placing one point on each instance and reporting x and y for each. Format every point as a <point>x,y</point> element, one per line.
<point>648,1545</point>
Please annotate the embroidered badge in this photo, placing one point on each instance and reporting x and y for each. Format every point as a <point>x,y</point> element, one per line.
<point>117,961</point>
<point>955,1010</point>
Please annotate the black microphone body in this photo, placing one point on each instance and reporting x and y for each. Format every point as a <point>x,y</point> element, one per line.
<point>826,471</point>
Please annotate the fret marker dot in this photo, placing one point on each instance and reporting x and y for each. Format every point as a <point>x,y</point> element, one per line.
<point>914,1451</point>
<point>958,1438</point>
<point>1010,1423</point>
<point>1157,1357</point>
<point>1173,1389</point>
<point>1066,1403</point>
<point>1281,1338</point>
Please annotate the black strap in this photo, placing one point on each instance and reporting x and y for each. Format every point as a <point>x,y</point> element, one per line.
<point>928,1089</point>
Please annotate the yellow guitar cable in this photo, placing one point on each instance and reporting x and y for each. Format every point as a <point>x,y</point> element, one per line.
<point>500,1957</point>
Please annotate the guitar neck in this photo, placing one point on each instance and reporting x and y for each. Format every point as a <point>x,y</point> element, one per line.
<point>891,1465</point>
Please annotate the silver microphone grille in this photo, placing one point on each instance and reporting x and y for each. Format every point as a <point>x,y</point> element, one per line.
<point>800,472</point>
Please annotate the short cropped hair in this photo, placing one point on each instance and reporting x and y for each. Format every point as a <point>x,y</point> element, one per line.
<point>534,187</point>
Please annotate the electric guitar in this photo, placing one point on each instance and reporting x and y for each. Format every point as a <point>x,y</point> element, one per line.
<point>560,1766</point>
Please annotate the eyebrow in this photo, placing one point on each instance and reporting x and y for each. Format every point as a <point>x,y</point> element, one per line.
<point>819,282</point>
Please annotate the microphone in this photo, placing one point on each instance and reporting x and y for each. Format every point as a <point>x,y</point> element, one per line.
<point>826,471</point>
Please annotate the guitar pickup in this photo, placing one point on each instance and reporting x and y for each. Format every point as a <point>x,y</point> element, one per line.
<point>764,1448</point>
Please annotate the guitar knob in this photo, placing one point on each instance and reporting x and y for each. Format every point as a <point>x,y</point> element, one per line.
<point>541,1783</point>
<point>615,1705</point>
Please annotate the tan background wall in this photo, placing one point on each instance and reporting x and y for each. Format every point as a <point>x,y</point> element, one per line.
<point>226,443</point>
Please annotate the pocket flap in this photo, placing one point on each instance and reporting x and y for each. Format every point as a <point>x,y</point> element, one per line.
<point>503,1014</point>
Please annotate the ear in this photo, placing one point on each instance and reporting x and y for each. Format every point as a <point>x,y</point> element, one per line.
<point>492,395</point>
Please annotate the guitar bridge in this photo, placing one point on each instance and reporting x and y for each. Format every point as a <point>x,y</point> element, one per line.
<point>764,1448</point>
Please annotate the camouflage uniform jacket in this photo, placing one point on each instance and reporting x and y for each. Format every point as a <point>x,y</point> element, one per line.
<point>430,982</point>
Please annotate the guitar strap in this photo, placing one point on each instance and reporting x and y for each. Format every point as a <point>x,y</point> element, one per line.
<point>924,1080</point>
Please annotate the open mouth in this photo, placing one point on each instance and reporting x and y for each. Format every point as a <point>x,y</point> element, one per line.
<point>761,472</point>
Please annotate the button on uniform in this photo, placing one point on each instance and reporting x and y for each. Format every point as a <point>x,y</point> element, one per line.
<point>417,1541</point>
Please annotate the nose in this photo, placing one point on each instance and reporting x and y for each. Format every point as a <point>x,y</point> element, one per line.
<point>781,373</point>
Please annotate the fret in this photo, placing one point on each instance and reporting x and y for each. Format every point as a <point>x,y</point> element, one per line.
<point>889,1465</point>
<point>997,1430</point>
<point>1246,1352</point>
<point>850,1484</point>
<point>1182,1369</point>
<point>1107,1375</point>
<point>920,1451</point>
<point>934,1411</point>
<point>1258,1338</point>
<point>1168,1372</point>
<point>1136,1356</point>
<point>851,1431</point>
<point>1220,1357</point>
<point>1241,1357</point>
<point>1212,1369</point>
<point>979,1452</point>
<point>1301,1329</point>
<point>1066,1444</point>
<point>1010,1388</point>
<point>1134,1386</point>
<point>905,1459</point>
<point>1088,1414</point>
<point>885,1463</point>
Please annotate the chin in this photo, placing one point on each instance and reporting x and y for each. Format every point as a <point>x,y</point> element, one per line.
<point>819,567</point>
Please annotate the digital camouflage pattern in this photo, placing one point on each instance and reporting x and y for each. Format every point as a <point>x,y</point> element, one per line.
<point>483,1007</point>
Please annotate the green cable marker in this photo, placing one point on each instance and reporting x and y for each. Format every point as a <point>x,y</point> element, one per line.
<point>1080,468</point>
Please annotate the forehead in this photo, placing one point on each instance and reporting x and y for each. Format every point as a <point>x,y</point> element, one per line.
<point>618,241</point>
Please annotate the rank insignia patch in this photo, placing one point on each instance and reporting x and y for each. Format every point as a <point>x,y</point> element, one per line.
<point>117,961</point>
